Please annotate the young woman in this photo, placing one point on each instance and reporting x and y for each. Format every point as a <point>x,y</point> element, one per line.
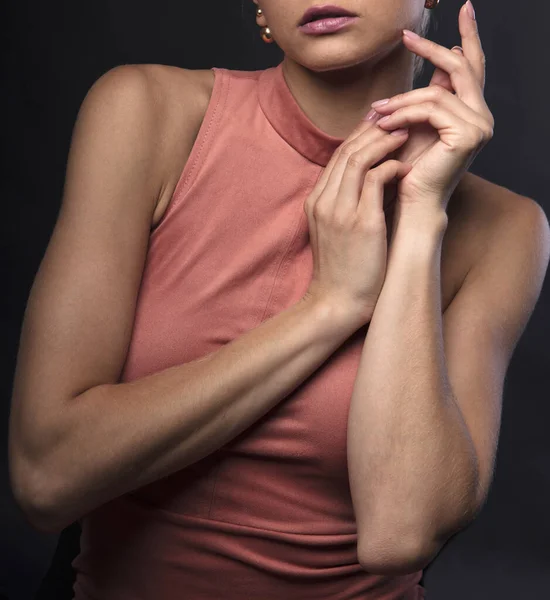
<point>263,356</point>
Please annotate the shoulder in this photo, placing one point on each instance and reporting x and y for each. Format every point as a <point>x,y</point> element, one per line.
<point>168,103</point>
<point>185,95</point>
<point>158,87</point>
<point>488,216</point>
<point>488,205</point>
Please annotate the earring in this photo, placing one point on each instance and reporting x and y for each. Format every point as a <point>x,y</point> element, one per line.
<point>265,31</point>
<point>266,35</point>
<point>431,3</point>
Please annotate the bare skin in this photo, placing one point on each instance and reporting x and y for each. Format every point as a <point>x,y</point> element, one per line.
<point>474,208</point>
<point>51,413</point>
<point>336,77</point>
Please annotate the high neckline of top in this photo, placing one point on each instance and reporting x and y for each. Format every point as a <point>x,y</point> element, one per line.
<point>290,121</point>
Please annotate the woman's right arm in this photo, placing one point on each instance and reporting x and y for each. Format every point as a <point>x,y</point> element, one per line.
<point>77,437</point>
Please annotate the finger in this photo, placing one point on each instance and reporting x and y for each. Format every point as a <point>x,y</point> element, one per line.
<point>453,131</point>
<point>441,96</point>
<point>371,201</point>
<point>471,42</point>
<point>344,187</point>
<point>462,76</point>
<point>359,130</point>
<point>333,175</point>
<point>365,125</point>
<point>441,78</point>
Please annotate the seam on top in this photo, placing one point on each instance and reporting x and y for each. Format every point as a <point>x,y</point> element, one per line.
<point>268,529</point>
<point>211,119</point>
<point>212,115</point>
<point>284,262</point>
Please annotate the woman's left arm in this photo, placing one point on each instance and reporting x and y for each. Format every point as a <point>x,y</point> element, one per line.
<point>425,410</point>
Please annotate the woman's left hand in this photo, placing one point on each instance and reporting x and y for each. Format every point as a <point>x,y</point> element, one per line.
<point>446,130</point>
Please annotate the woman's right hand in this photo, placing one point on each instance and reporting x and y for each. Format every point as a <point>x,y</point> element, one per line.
<point>347,224</point>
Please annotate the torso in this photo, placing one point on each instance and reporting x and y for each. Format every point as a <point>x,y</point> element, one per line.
<point>473,210</point>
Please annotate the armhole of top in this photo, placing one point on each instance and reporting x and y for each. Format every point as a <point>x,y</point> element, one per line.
<point>203,141</point>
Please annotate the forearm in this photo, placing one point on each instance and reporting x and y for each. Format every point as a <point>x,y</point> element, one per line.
<point>412,464</point>
<point>116,438</point>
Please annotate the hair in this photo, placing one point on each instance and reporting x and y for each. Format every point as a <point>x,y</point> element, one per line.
<point>422,30</point>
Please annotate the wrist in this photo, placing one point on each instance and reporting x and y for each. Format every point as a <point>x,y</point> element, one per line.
<point>339,317</point>
<point>428,219</point>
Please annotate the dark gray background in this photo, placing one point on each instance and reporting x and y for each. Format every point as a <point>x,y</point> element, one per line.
<point>52,52</point>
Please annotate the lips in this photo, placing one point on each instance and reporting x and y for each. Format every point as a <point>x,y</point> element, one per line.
<point>322,12</point>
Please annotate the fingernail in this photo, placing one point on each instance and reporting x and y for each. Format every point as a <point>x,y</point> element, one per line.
<point>471,10</point>
<point>380,102</point>
<point>399,132</point>
<point>458,48</point>
<point>370,115</point>
<point>411,34</point>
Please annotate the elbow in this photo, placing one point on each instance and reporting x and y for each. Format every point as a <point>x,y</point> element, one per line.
<point>37,499</point>
<point>396,557</point>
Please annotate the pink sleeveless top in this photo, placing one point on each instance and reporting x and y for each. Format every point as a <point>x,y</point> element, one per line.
<point>269,515</point>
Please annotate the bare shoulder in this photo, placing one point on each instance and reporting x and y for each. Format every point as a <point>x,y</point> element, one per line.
<point>176,99</point>
<point>185,97</point>
<point>483,214</point>
<point>488,197</point>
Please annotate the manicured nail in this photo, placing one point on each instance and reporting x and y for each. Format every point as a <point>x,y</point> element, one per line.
<point>380,102</point>
<point>384,119</point>
<point>399,132</point>
<point>370,115</point>
<point>411,34</point>
<point>471,10</point>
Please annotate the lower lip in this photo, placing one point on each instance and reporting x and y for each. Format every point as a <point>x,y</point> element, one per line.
<point>327,25</point>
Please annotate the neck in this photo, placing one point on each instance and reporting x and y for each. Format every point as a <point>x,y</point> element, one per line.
<point>336,100</point>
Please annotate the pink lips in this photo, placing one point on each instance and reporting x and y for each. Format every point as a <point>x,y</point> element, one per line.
<point>324,11</point>
<point>327,25</point>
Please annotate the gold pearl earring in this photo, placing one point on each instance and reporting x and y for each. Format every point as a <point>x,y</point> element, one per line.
<point>265,31</point>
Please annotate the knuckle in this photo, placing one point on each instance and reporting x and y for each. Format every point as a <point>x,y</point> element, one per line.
<point>479,135</point>
<point>488,133</point>
<point>349,148</point>
<point>430,105</point>
<point>473,136</point>
<point>383,171</point>
<point>355,160</point>
<point>373,176</point>
<point>393,164</point>
<point>342,150</point>
<point>437,92</point>
<point>346,151</point>
<point>320,212</point>
<point>463,62</point>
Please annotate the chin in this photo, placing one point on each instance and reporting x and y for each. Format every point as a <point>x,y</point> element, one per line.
<point>343,56</point>
<point>330,59</point>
